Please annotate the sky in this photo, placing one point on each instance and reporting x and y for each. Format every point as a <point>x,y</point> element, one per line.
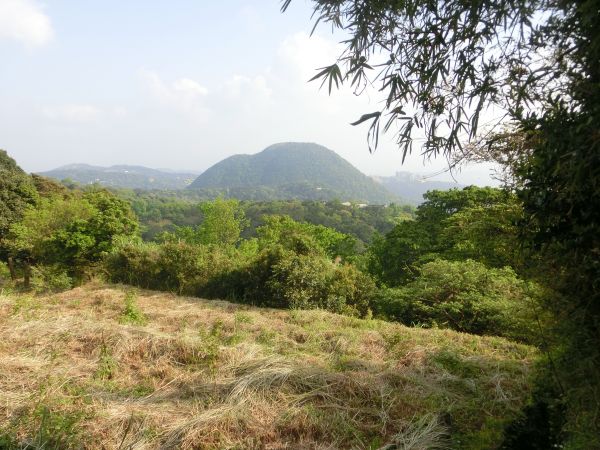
<point>178,84</point>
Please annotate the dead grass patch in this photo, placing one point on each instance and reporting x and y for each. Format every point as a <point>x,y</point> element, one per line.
<point>210,374</point>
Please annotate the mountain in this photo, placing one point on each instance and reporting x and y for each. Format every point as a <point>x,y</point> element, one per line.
<point>292,171</point>
<point>412,187</point>
<point>132,177</point>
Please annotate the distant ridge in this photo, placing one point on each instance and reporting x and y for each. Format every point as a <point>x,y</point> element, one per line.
<point>285,171</point>
<point>292,170</point>
<point>412,187</point>
<point>124,176</point>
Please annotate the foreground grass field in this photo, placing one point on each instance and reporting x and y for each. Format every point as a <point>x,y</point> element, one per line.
<point>102,367</point>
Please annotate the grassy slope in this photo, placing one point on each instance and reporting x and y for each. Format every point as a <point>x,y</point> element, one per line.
<point>206,374</point>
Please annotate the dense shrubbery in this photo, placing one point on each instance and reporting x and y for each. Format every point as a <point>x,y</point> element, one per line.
<point>174,266</point>
<point>52,237</point>
<point>298,274</point>
<point>53,278</point>
<point>72,232</point>
<point>465,296</point>
<point>293,264</point>
<point>454,266</point>
<point>289,279</point>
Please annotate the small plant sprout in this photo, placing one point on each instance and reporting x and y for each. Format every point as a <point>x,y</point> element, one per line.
<point>132,314</point>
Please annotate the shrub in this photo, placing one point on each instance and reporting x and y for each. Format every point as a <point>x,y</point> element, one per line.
<point>302,277</point>
<point>203,270</point>
<point>135,263</point>
<point>50,279</point>
<point>179,266</point>
<point>355,287</point>
<point>4,274</point>
<point>301,281</point>
<point>465,296</point>
<point>284,279</point>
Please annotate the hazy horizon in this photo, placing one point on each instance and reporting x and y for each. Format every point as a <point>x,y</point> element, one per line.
<point>178,85</point>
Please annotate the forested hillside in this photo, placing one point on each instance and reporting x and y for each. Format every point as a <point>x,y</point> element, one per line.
<point>292,171</point>
<point>132,177</point>
<point>164,211</point>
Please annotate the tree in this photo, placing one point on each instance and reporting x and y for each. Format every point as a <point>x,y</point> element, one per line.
<point>476,223</point>
<point>393,259</point>
<point>304,237</point>
<point>488,234</point>
<point>223,222</point>
<point>73,231</point>
<point>440,64</point>
<point>17,192</point>
<point>441,205</point>
<point>114,218</point>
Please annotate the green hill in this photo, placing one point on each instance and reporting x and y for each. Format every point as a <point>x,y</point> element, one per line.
<point>292,171</point>
<point>132,177</point>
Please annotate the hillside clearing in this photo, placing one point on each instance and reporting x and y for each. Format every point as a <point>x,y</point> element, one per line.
<point>89,368</point>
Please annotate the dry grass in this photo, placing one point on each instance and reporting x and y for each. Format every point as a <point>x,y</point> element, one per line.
<point>208,374</point>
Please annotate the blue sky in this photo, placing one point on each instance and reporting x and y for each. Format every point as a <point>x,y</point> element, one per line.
<point>177,84</point>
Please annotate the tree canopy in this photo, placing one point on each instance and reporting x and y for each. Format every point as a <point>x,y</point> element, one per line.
<point>17,191</point>
<point>441,64</point>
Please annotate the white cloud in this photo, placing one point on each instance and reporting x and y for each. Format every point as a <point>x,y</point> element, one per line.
<point>189,87</point>
<point>256,87</point>
<point>72,113</point>
<point>303,54</point>
<point>186,96</point>
<point>24,21</point>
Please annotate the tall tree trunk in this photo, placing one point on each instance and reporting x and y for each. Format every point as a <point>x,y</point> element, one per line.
<point>11,268</point>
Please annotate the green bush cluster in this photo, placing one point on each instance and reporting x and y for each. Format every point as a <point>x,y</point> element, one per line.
<point>465,296</point>
<point>190,269</point>
<point>273,277</point>
<point>416,274</point>
<point>50,278</point>
<point>455,266</point>
<point>63,236</point>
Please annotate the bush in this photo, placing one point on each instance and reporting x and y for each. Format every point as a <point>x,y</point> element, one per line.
<point>4,273</point>
<point>465,296</point>
<point>202,270</point>
<point>355,287</point>
<point>135,263</point>
<point>281,278</point>
<point>180,266</point>
<point>275,277</point>
<point>301,281</point>
<point>50,279</point>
